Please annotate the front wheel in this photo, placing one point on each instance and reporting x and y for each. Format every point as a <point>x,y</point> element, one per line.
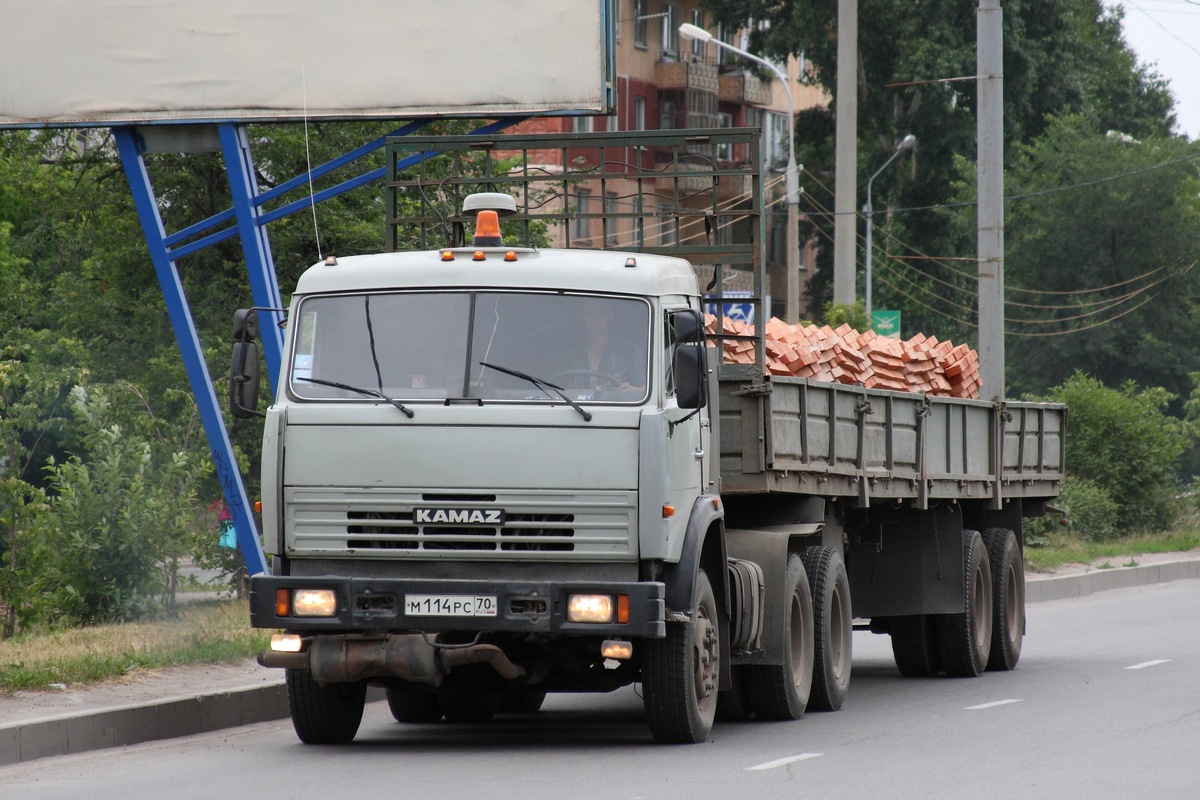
<point>781,691</point>
<point>680,673</point>
<point>328,714</point>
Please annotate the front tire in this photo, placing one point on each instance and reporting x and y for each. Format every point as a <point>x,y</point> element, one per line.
<point>965,640</point>
<point>833,628</point>
<point>781,691</point>
<point>680,673</point>
<point>1008,598</point>
<point>327,714</point>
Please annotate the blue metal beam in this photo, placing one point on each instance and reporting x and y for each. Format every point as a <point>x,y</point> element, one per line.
<point>189,347</point>
<point>260,265</point>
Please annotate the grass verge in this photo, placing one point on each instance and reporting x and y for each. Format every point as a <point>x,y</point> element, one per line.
<point>1065,548</point>
<point>207,632</point>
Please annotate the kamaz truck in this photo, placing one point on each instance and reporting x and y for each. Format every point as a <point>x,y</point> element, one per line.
<point>468,504</point>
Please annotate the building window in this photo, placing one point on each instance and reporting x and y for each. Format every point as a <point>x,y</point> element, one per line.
<point>581,225</point>
<point>639,113</point>
<point>725,33</point>
<point>666,115</point>
<point>670,30</point>
<point>774,138</point>
<point>639,24</point>
<point>610,218</point>
<point>724,149</point>
<point>639,223</point>
<point>583,124</point>
<point>666,234</point>
<point>697,45</point>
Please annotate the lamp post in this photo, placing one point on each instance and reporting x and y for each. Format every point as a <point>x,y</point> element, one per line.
<point>792,178</point>
<point>905,144</point>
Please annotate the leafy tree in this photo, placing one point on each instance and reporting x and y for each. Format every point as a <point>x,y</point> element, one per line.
<point>1060,56</point>
<point>1100,259</point>
<point>1124,444</point>
<point>120,517</point>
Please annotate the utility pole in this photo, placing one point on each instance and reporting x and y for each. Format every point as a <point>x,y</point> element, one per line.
<point>989,39</point>
<point>845,199</point>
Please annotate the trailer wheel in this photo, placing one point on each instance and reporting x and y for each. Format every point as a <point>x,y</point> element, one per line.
<point>521,701</point>
<point>1008,598</point>
<point>914,646</point>
<point>469,706</point>
<point>680,672</point>
<point>411,706</point>
<point>327,714</point>
<point>965,640</point>
<point>781,691</point>
<point>833,628</point>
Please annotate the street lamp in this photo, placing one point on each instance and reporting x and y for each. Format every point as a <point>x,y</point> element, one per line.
<point>792,178</point>
<point>905,144</point>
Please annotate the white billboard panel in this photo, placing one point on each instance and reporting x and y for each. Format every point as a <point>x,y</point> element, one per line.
<point>75,63</point>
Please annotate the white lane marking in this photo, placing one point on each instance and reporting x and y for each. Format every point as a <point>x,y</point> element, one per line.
<point>1153,663</point>
<point>982,706</point>
<point>779,762</point>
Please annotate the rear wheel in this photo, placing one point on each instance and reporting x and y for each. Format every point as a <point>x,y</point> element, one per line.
<point>965,640</point>
<point>327,714</point>
<point>781,691</point>
<point>469,706</point>
<point>417,707</point>
<point>1008,598</point>
<point>914,646</point>
<point>833,628</point>
<point>680,673</point>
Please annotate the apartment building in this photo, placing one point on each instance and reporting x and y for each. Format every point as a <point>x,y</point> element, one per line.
<point>665,81</point>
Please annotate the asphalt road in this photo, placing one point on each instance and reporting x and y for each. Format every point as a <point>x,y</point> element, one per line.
<point>1103,705</point>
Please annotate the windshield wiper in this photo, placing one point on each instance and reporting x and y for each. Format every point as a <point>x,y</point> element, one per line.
<point>367,392</point>
<point>543,385</point>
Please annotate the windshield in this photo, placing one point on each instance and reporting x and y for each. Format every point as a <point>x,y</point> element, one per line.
<point>430,345</point>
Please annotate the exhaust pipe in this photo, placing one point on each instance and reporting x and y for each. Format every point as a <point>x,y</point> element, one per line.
<point>342,659</point>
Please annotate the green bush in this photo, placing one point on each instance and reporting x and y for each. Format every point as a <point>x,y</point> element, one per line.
<point>1124,446</point>
<point>1091,513</point>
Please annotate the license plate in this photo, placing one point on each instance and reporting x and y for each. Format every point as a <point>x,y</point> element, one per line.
<point>449,605</point>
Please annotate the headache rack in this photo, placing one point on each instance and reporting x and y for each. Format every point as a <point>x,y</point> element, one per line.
<point>696,194</point>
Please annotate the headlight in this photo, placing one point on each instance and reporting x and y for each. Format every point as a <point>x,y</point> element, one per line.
<point>590,608</point>
<point>314,603</point>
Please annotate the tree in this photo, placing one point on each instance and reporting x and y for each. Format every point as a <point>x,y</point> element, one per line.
<point>915,59</point>
<point>1101,259</point>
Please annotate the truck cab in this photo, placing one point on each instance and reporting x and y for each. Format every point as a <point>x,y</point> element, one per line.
<point>482,462</point>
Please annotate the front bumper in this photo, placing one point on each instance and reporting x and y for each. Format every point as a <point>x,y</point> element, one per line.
<point>379,604</point>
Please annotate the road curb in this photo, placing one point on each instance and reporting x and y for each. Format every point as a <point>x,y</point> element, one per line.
<point>153,720</point>
<point>142,722</point>
<point>1039,589</point>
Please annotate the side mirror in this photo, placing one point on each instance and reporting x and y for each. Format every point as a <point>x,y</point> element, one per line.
<point>244,368</point>
<point>691,375</point>
<point>688,326</point>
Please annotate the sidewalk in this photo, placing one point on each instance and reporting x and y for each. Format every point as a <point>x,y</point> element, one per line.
<point>194,700</point>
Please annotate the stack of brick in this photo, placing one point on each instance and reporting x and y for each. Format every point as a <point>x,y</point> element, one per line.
<point>844,355</point>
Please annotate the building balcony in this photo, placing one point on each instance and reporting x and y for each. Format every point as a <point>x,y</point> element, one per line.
<point>683,75</point>
<point>743,88</point>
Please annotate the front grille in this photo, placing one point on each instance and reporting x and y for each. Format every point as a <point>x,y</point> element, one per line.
<point>365,523</point>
